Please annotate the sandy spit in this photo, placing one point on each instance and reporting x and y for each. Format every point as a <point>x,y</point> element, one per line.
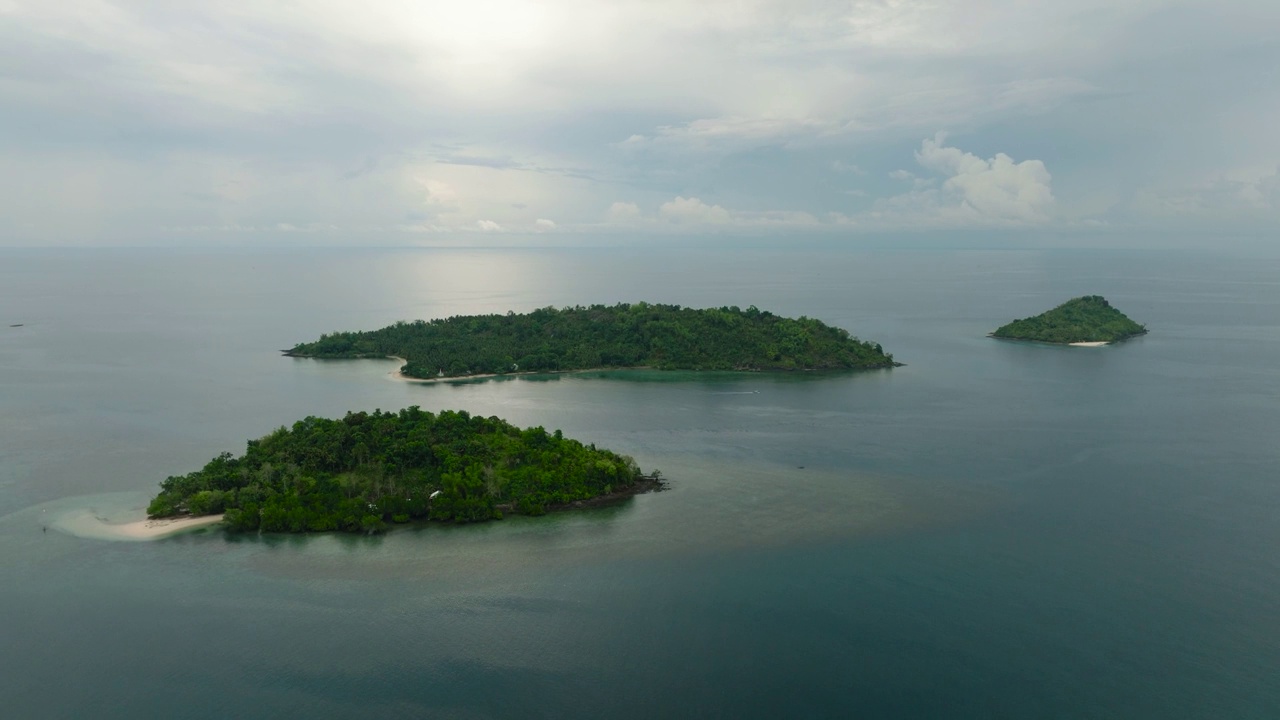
<point>87,523</point>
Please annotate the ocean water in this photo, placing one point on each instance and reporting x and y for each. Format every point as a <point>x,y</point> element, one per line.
<point>995,530</point>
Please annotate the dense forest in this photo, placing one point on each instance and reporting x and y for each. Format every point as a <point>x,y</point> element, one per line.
<point>367,469</point>
<point>624,335</point>
<point>1084,319</point>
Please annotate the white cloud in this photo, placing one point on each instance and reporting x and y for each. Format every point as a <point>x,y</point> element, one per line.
<point>439,194</point>
<point>281,227</point>
<point>681,214</point>
<point>998,188</point>
<point>488,225</point>
<point>623,213</point>
<point>460,195</point>
<point>721,132</point>
<point>1221,201</point>
<point>975,192</point>
<point>1266,192</point>
<point>775,219</point>
<point>692,211</point>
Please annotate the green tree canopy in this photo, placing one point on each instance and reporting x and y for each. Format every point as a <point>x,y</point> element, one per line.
<point>1084,319</point>
<point>599,336</point>
<point>367,469</point>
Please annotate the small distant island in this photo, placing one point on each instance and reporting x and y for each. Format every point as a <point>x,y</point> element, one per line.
<point>667,337</point>
<point>366,470</point>
<point>1088,320</point>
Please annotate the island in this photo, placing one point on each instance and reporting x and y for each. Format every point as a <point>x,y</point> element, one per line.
<point>366,470</point>
<point>1088,320</point>
<point>667,337</point>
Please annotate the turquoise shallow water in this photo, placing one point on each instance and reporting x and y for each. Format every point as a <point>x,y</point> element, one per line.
<point>994,530</point>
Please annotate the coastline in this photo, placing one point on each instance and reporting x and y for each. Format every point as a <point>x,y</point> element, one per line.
<point>646,484</point>
<point>152,528</point>
<point>90,524</point>
<point>398,375</point>
<point>1098,343</point>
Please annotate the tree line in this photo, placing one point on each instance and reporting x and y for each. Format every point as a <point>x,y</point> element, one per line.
<point>366,470</point>
<point>600,336</point>
<point>1084,319</point>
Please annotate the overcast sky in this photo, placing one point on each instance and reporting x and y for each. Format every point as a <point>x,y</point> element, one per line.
<point>470,121</point>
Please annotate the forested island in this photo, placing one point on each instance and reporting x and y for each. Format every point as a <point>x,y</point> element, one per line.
<point>666,337</point>
<point>1089,319</point>
<point>366,470</point>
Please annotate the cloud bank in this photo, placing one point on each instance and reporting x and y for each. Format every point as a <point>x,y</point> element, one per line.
<point>416,121</point>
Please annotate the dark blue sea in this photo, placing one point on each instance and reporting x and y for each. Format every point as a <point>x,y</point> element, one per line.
<point>994,530</point>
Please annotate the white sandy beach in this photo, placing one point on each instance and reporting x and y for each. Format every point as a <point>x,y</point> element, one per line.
<point>397,375</point>
<point>148,529</point>
<point>1089,344</point>
<point>86,523</point>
